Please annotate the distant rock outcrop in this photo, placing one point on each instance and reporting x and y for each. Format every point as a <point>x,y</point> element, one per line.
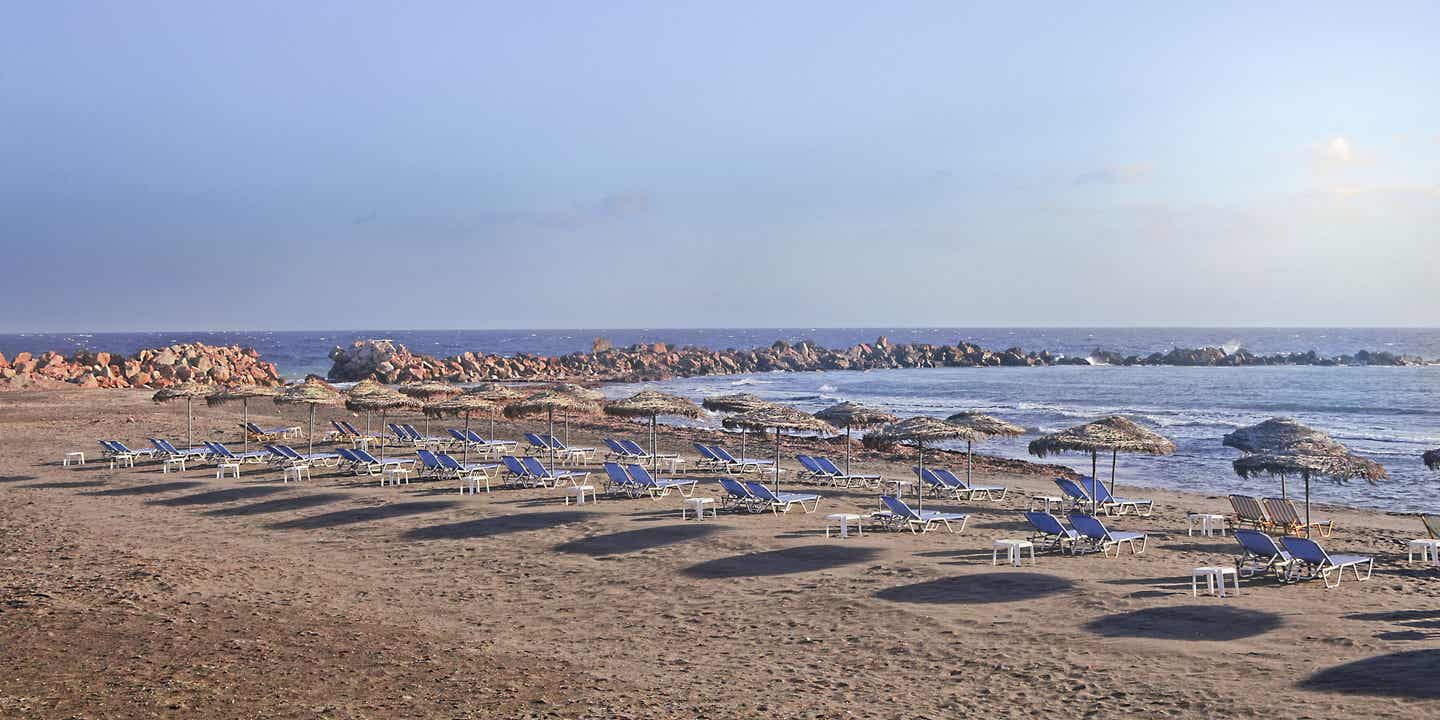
<point>391,362</point>
<point>149,368</point>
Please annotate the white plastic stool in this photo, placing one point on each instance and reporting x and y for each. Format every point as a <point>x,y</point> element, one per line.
<point>171,461</point>
<point>580,491</point>
<point>393,474</point>
<point>76,457</point>
<point>298,471</point>
<point>1214,580</point>
<point>1206,523</point>
<point>844,520</point>
<point>1046,501</point>
<point>230,467</point>
<point>699,504</point>
<point>1012,550</point>
<point>1429,550</point>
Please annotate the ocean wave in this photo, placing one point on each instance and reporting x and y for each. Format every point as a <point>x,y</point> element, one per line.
<point>827,388</point>
<point>751,381</point>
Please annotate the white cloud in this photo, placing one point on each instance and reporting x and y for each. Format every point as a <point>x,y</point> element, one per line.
<point>1338,149</point>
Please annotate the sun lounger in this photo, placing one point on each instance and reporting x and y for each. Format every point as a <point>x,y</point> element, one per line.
<point>1049,533</point>
<point>429,464</point>
<point>1432,525</point>
<point>399,435</point>
<point>164,448</point>
<point>365,463</point>
<point>1101,538</point>
<point>811,469</point>
<point>618,451</point>
<point>840,477</point>
<point>617,480</point>
<point>708,459</point>
<point>119,454</point>
<point>986,492</point>
<point>466,473</point>
<point>419,439</point>
<point>491,443</point>
<point>1311,561</point>
<point>741,463</point>
<point>782,502</point>
<point>658,487</point>
<point>907,517</point>
<point>277,433</point>
<point>518,473</point>
<point>1283,513</point>
<point>739,497</point>
<point>551,477</point>
<point>1260,554</point>
<point>570,454</point>
<point>1250,513</point>
<point>1117,505</point>
<point>642,454</point>
<point>220,452</point>
<point>297,457</point>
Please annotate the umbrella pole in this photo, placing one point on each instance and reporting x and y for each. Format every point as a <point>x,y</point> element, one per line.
<point>1114,453</point>
<point>567,428</point>
<point>743,432</point>
<point>1283,495</point>
<point>920,477</point>
<point>245,429</point>
<point>190,420</point>
<point>969,462</point>
<point>777,460</point>
<point>654,459</point>
<point>492,427</point>
<point>382,438</point>
<point>847,449</point>
<point>311,439</point>
<point>1307,505</point>
<point>467,436</point>
<point>550,442</point>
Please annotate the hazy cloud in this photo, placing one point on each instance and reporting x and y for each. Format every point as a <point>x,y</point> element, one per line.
<point>1115,174</point>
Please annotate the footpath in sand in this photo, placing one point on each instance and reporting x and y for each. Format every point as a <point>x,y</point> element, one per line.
<point>131,593</point>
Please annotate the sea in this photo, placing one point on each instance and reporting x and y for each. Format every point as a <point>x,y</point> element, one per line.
<point>1390,414</point>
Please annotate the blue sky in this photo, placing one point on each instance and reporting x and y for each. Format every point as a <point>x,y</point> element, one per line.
<point>354,164</point>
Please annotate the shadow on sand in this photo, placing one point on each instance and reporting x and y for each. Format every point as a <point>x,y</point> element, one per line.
<point>65,485</point>
<point>990,587</point>
<point>359,515</point>
<point>16,478</point>
<point>1399,675</point>
<point>807,558</point>
<point>148,489</point>
<point>1187,622</point>
<point>215,497</point>
<point>636,540</point>
<point>498,525</point>
<point>302,502</point>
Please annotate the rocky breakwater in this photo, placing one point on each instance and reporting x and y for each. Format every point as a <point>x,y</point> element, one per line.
<point>149,368</point>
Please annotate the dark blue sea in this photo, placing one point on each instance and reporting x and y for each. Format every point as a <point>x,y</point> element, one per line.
<point>1391,414</point>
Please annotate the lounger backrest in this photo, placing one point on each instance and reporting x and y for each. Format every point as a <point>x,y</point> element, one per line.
<point>810,464</point>
<point>220,449</point>
<point>512,464</point>
<point>252,427</point>
<point>723,454</point>
<point>290,452</point>
<point>456,434</point>
<point>398,431</point>
<point>554,442</point>
<point>534,466</point>
<point>1281,511</point>
<point>535,441</point>
<point>411,432</point>
<point>428,459</point>
<point>759,490</point>
<point>346,454</point>
<point>474,437</point>
<point>119,445</point>
<point>1097,489</point>
<point>1249,508</point>
<point>1257,543</point>
<point>350,427</point>
<point>705,451</point>
<point>930,478</point>
<point>735,489</point>
<point>1305,550</point>
<point>365,456</point>
<point>1072,489</point>
<point>1432,524</point>
<point>827,467</point>
<point>634,448</point>
<point>1045,523</point>
<point>339,428</point>
<point>640,474</point>
<point>616,447</point>
<point>616,473</point>
<point>950,478</point>
<point>898,506</point>
<point>1088,526</point>
<point>274,451</point>
<point>447,462</point>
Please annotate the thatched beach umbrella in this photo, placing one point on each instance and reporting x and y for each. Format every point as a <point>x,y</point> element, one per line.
<point>737,403</point>
<point>1432,460</point>
<point>1323,458</point>
<point>313,392</point>
<point>549,402</point>
<point>653,404</point>
<point>498,395</point>
<point>383,403</point>
<point>853,415</point>
<point>186,391</point>
<point>365,387</point>
<point>243,393</point>
<point>580,391</point>
<point>987,427</point>
<point>1274,434</point>
<point>781,418</point>
<point>429,391</point>
<point>463,405</point>
<point>918,431</point>
<point>1116,434</point>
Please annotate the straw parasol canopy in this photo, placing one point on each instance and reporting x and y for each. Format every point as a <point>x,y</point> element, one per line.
<point>243,393</point>
<point>549,402</point>
<point>1115,433</point>
<point>781,418</point>
<point>736,403</point>
<point>462,405</point>
<point>186,391</point>
<point>497,394</point>
<point>313,392</point>
<point>918,431</point>
<point>1273,433</point>
<point>580,391</point>
<point>427,391</point>
<point>381,401</point>
<point>1432,459</point>
<point>653,404</point>
<point>853,415</point>
<point>987,426</point>
<point>1321,458</point>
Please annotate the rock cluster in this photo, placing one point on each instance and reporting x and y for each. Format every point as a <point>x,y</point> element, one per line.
<point>391,362</point>
<point>149,368</point>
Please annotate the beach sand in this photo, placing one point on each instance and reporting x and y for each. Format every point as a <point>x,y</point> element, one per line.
<point>132,593</point>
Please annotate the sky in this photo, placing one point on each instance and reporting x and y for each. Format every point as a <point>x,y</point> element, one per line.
<point>279,165</point>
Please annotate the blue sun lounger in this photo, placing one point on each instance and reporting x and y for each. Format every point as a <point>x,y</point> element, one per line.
<point>467,473</point>
<point>742,463</point>
<point>658,488</point>
<point>783,501</point>
<point>518,473</point>
<point>220,452</point>
<point>640,453</point>
<point>1117,504</point>
<point>617,451</point>
<point>1260,554</point>
<point>1101,539</point>
<point>551,477</point>
<point>1049,533</point>
<point>907,517</point>
<point>1309,561</point>
<point>619,481</point>
<point>839,477</point>
<point>259,433</point>
<point>987,491</point>
<point>812,469</point>
<point>739,497</point>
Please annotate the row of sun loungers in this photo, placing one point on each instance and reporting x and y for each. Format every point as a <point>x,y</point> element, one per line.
<point>1295,558</point>
<point>1274,515</point>
<point>823,469</point>
<point>1087,533</point>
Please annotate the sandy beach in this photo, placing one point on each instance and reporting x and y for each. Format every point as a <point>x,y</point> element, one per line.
<point>132,593</point>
